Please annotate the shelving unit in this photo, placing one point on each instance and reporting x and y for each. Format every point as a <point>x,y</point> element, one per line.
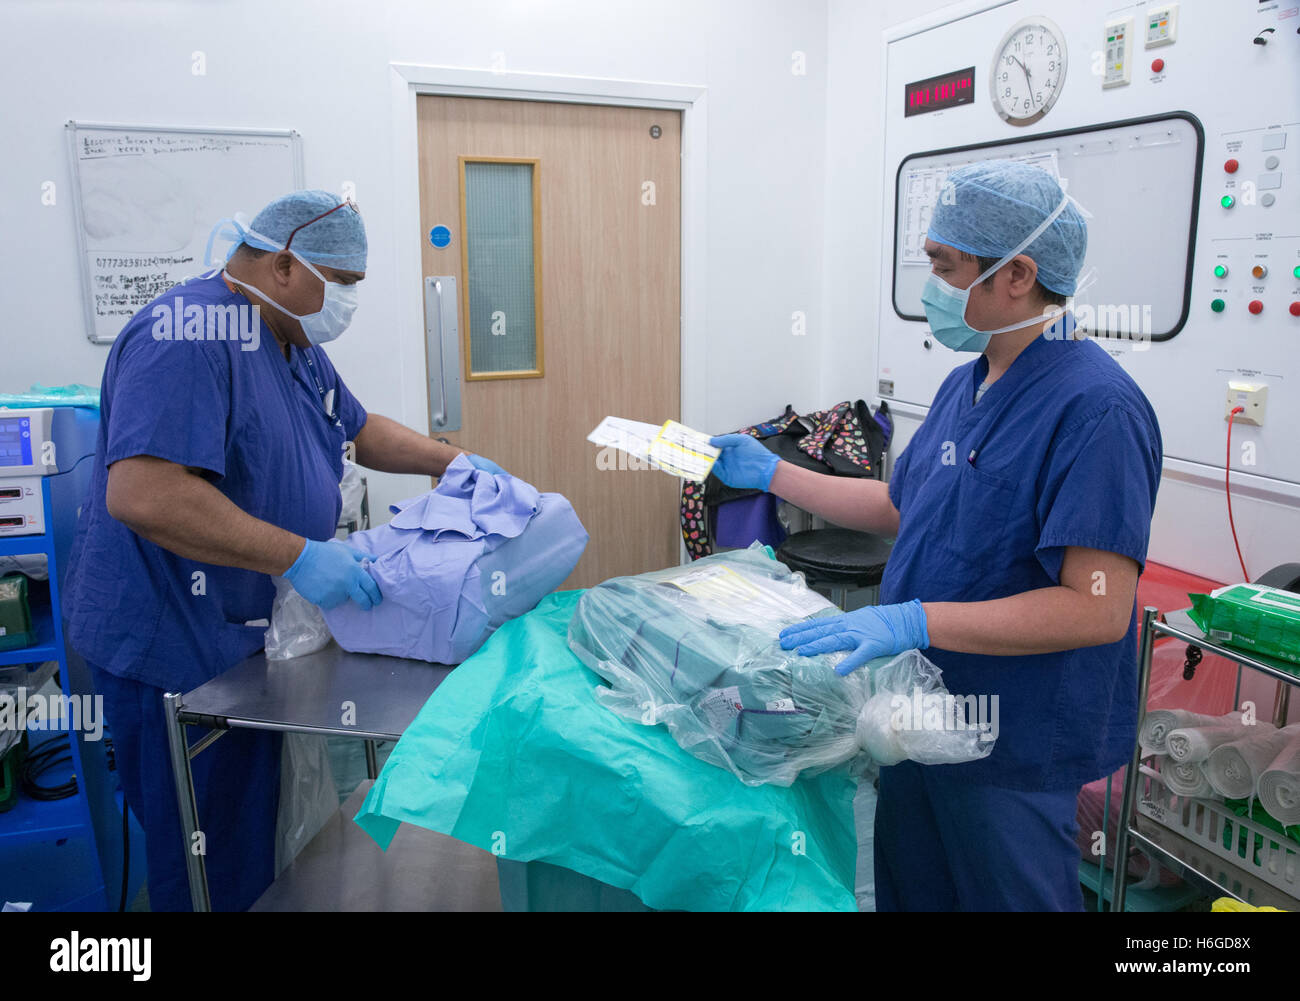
<point>62,855</point>
<point>1207,868</point>
<point>35,834</point>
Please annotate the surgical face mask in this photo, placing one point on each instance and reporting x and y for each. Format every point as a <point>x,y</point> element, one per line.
<point>334,315</point>
<point>340,300</point>
<point>945,306</point>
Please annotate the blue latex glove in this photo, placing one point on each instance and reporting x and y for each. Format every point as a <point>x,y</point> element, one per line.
<point>487,465</point>
<point>744,463</point>
<point>329,573</point>
<point>874,631</point>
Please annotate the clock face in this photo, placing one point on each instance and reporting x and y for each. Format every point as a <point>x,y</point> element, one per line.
<point>1028,71</point>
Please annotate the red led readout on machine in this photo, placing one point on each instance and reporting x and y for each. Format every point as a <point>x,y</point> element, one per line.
<point>938,92</point>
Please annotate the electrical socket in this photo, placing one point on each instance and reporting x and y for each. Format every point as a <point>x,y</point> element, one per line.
<point>1252,397</point>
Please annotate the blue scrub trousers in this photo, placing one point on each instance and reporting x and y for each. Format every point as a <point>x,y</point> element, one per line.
<point>944,844</point>
<point>236,786</point>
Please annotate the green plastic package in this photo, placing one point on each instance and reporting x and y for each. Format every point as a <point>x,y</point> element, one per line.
<point>513,753</point>
<point>1252,810</point>
<point>1252,617</point>
<point>15,613</point>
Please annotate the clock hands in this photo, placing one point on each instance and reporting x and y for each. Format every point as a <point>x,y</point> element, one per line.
<point>1028,79</point>
<point>1032,47</point>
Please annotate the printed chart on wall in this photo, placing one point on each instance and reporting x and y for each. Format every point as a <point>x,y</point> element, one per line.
<point>922,188</point>
<point>1142,256</point>
<point>147,197</point>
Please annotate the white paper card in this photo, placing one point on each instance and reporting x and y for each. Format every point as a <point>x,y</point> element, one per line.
<point>672,447</point>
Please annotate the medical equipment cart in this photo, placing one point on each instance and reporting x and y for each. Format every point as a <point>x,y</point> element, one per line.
<point>65,853</point>
<point>1188,834</point>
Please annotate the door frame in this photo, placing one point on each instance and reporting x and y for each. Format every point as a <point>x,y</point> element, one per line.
<point>408,81</point>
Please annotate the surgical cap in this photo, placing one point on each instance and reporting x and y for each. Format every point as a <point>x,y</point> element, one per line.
<point>992,206</point>
<point>337,241</point>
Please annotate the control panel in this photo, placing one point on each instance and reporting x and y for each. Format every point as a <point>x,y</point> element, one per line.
<point>1153,115</point>
<point>27,453</point>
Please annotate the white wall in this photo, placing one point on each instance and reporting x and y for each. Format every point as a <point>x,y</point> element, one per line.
<point>854,235</point>
<point>321,67</point>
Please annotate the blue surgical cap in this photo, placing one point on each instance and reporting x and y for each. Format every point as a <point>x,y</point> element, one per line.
<point>992,206</point>
<point>337,241</point>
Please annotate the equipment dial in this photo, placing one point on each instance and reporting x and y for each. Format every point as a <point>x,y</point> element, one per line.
<point>1028,71</point>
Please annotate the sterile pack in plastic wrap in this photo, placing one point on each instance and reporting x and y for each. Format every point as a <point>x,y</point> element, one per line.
<point>695,648</point>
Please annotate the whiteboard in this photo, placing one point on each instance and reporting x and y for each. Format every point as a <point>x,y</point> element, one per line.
<point>1140,179</point>
<point>146,198</point>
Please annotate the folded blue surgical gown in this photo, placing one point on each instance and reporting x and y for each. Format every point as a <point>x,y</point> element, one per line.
<point>456,563</point>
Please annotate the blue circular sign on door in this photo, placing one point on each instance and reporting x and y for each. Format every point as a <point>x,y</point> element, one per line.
<point>440,236</point>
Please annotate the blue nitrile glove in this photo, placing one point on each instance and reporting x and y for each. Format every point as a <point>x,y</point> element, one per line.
<point>744,463</point>
<point>874,631</point>
<point>329,573</point>
<point>487,465</point>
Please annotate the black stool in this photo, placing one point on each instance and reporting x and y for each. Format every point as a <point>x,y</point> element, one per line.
<point>838,558</point>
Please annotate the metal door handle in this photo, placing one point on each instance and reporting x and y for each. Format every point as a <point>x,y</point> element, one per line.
<point>442,351</point>
<point>439,417</point>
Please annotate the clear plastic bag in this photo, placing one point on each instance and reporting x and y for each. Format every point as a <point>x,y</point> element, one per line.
<point>308,795</point>
<point>912,716</point>
<point>297,626</point>
<point>696,649</point>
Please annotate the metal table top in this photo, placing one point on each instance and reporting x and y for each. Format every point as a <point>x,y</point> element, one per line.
<point>331,692</point>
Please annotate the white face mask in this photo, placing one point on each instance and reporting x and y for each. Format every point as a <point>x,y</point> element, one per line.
<point>334,315</point>
<point>336,310</point>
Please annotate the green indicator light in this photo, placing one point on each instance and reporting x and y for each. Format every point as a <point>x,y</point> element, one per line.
<point>1220,271</point>
<point>1110,38</point>
<point>1296,271</point>
<point>1217,305</point>
<point>1227,201</point>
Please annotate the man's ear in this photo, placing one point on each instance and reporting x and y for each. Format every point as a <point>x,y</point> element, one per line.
<point>282,267</point>
<point>1023,271</point>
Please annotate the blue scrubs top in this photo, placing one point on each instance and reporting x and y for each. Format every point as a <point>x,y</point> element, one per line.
<point>1063,450</point>
<point>257,425</point>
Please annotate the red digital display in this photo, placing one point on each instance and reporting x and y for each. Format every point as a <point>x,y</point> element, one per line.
<point>939,92</point>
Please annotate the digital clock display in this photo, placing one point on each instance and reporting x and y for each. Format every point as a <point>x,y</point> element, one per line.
<point>939,92</point>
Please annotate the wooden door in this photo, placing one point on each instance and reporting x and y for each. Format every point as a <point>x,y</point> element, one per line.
<point>606,241</point>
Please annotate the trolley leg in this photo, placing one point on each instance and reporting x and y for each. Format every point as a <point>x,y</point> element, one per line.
<point>1105,833</point>
<point>372,761</point>
<point>179,751</point>
<point>1281,704</point>
<point>1131,775</point>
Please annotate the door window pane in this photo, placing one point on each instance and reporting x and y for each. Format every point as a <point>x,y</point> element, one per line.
<point>501,268</point>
